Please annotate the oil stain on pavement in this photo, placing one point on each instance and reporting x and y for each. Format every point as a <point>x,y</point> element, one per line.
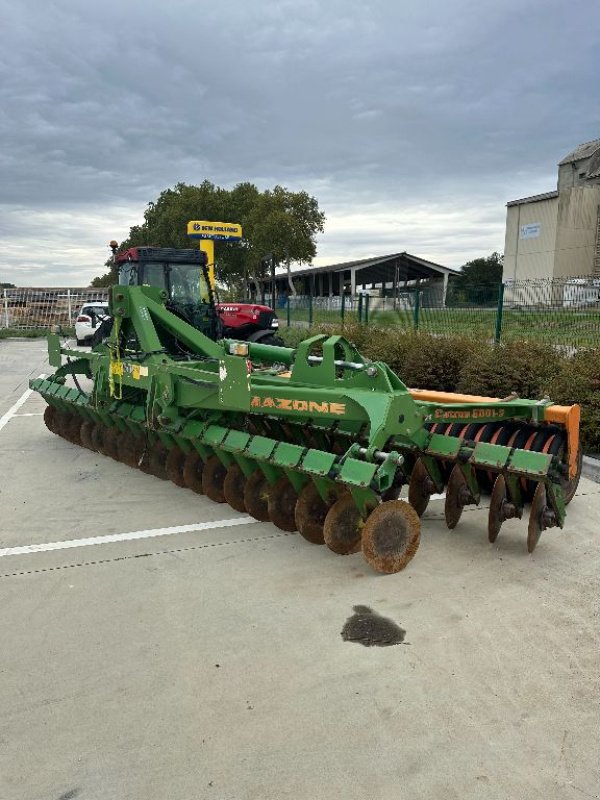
<point>368,628</point>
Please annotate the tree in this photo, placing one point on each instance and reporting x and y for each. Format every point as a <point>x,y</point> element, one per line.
<point>7,286</point>
<point>275,221</point>
<point>108,279</point>
<point>479,280</point>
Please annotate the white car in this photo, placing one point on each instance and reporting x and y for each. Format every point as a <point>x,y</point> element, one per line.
<point>89,318</point>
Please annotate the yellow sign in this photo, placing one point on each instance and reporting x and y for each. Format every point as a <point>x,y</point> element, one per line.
<point>221,231</point>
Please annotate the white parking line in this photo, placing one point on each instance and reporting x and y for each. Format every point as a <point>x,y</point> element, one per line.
<point>13,409</point>
<point>27,549</point>
<point>30,414</point>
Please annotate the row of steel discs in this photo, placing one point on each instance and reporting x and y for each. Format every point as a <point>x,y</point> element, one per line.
<point>540,439</point>
<point>388,539</point>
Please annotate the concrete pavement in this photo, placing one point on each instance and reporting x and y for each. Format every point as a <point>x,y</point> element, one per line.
<point>209,663</point>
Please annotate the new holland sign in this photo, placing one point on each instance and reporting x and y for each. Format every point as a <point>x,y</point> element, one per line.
<point>221,231</point>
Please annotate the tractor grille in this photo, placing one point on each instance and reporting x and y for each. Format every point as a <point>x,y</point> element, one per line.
<point>265,318</point>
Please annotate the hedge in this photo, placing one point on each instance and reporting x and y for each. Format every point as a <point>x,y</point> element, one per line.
<point>461,364</point>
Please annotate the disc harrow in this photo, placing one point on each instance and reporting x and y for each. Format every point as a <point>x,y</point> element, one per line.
<point>317,440</point>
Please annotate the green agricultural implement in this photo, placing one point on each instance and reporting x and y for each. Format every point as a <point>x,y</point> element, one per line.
<point>316,439</point>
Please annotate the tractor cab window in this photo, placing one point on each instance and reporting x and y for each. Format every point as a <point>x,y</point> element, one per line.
<point>187,284</point>
<point>128,274</point>
<point>154,275</point>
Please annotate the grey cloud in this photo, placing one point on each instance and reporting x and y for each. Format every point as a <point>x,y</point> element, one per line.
<point>104,105</point>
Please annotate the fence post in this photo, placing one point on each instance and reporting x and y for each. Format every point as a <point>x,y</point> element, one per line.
<point>343,307</point>
<point>288,310</point>
<point>416,308</point>
<point>69,307</point>
<point>5,310</point>
<point>367,299</point>
<point>310,309</point>
<point>499,313</point>
<point>360,308</point>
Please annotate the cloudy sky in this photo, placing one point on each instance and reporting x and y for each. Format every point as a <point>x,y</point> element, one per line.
<point>412,122</point>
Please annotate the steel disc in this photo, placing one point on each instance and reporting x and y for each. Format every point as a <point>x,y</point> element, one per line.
<point>233,488</point>
<point>174,465</point>
<point>282,505</point>
<point>343,526</point>
<point>97,437</point>
<point>256,496</point>
<point>193,467</point>
<point>85,433</point>
<point>495,516</point>
<point>310,513</point>
<point>213,477</point>
<point>110,444</point>
<point>50,418</point>
<point>130,449</point>
<point>58,421</point>
<point>157,460</point>
<point>391,536</point>
<point>536,515</point>
<point>70,427</point>
<point>454,507</point>
<point>569,486</point>
<point>418,493</point>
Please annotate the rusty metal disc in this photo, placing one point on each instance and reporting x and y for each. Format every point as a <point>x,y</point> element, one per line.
<point>69,427</point>
<point>110,443</point>
<point>128,449</point>
<point>256,496</point>
<point>97,437</point>
<point>455,497</point>
<point>343,526</point>
<point>419,488</point>
<point>174,465</point>
<point>569,485</point>
<point>391,536</point>
<point>495,515</point>
<point>157,460</point>
<point>192,472</point>
<point>310,513</point>
<point>536,517</point>
<point>213,477</point>
<point>233,488</point>
<point>50,419</point>
<point>144,459</point>
<point>282,505</point>
<point>85,433</point>
<point>59,418</point>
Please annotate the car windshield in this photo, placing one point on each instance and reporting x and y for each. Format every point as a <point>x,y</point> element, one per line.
<point>98,310</point>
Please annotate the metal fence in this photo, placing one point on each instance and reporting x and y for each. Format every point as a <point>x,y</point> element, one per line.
<point>560,312</point>
<point>43,309</point>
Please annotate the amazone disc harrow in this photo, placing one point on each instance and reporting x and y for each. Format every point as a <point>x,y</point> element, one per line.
<point>317,439</point>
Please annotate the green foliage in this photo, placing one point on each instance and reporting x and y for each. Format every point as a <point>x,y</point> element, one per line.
<point>478,281</point>
<point>7,286</point>
<point>436,362</point>
<point>108,278</point>
<point>526,368</point>
<point>276,221</point>
<point>23,333</point>
<point>578,381</point>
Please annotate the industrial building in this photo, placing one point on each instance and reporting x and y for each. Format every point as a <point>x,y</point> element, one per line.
<point>379,276</point>
<point>556,235</point>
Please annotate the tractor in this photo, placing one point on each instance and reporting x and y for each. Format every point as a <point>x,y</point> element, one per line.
<point>191,295</point>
